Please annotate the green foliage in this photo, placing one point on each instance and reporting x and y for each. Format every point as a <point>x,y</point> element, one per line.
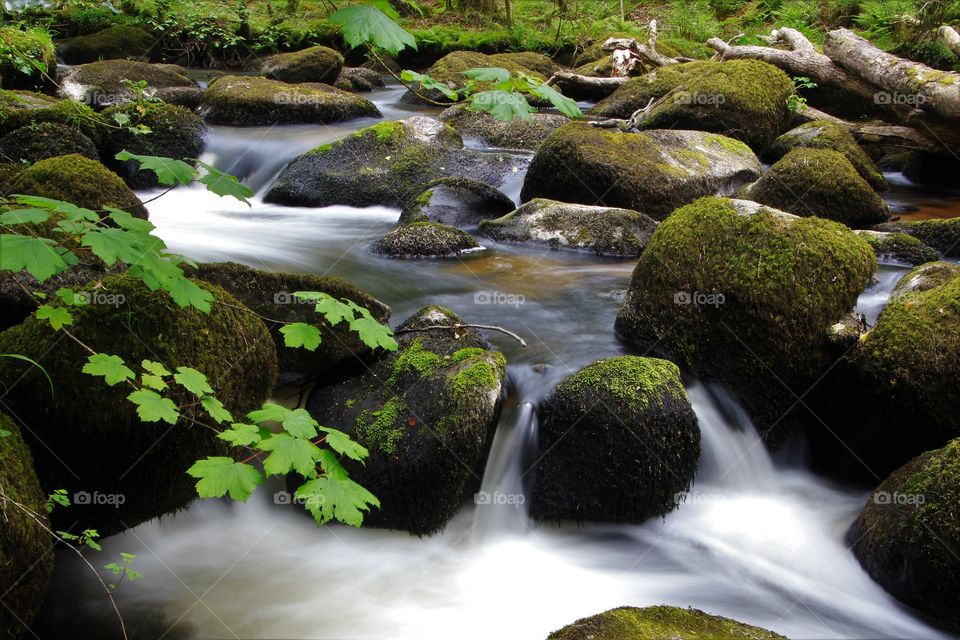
<point>367,24</point>
<point>796,102</point>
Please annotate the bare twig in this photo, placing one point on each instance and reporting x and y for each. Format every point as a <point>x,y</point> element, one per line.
<point>459,325</point>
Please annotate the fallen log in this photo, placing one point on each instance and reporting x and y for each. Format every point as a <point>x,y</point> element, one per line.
<point>907,82</point>
<point>600,87</point>
<point>951,38</point>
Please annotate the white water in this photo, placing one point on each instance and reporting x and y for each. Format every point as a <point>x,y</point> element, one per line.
<point>757,539</point>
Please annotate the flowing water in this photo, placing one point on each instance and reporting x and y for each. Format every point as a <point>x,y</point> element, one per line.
<point>757,539</point>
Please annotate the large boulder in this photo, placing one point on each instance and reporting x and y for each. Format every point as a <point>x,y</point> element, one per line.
<point>942,235</point>
<point>175,132</point>
<point>820,182</point>
<point>33,44</point>
<point>23,108</point>
<point>745,295</point>
<point>908,535</point>
<point>88,437</point>
<point>426,414</point>
<point>43,140</point>
<point>271,295</point>
<point>618,441</point>
<point>117,41</point>
<point>491,132</point>
<point>660,623</point>
<point>313,64</point>
<point>822,134</point>
<point>359,79</point>
<point>743,99</point>
<point>387,164</point>
<point>603,231</point>
<point>80,181</point>
<point>654,172</point>
<point>99,84</point>
<point>898,247</point>
<point>26,548</point>
<point>250,100</point>
<point>458,202</point>
<point>425,240</point>
<point>18,290</point>
<point>449,70</point>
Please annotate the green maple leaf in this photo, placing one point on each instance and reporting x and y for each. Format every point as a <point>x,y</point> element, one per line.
<point>152,407</point>
<point>128,221</point>
<point>57,316</point>
<point>155,368</point>
<point>365,24</point>
<point>194,381</point>
<point>219,476</point>
<point>344,444</point>
<point>187,293</point>
<point>41,257</point>
<point>290,454</point>
<point>372,333</point>
<point>169,171</point>
<point>429,83</point>
<point>301,334</point>
<point>329,307</point>
<point>215,408</point>
<point>563,104</point>
<point>112,368</point>
<point>328,498</point>
<point>502,105</point>
<point>24,216</point>
<point>241,435</point>
<point>488,74</point>
<point>224,184</point>
<point>300,424</point>
<point>269,412</point>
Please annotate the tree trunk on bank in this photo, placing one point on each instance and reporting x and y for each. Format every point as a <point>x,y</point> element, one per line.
<point>951,38</point>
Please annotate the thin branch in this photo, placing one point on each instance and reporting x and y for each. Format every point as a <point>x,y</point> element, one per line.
<point>465,326</point>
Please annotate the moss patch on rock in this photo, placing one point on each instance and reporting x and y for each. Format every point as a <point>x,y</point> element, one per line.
<point>899,247</point>
<point>175,133</point>
<point>618,441</point>
<point>118,41</point>
<point>820,182</point>
<point>36,45</point>
<point>424,240</point>
<point>100,83</point>
<point>660,623</point>
<point>43,140</point>
<point>908,533</point>
<point>942,235</point>
<point>733,289</point>
<point>653,172</point>
<point>456,201</point>
<point>603,231</point>
<point>427,415</point>
<point>88,422</point>
<point>516,134</point>
<point>26,549</point>
<point>359,79</point>
<point>313,64</point>
<point>250,100</point>
<point>22,108</point>
<point>821,134</point>
<point>449,69</point>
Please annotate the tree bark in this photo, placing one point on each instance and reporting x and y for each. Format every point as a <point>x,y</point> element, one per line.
<point>875,131</point>
<point>905,80</point>
<point>950,38</point>
<point>600,87</point>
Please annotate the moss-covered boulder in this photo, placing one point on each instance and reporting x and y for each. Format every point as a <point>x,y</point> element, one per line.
<point>250,100</point>
<point>313,64</point>
<point>359,79</point>
<point>743,99</point>
<point>490,132</point>
<point>660,623</point>
<point>820,182</point>
<point>821,134</point>
<point>175,132</point>
<point>745,294</point>
<point>426,414</point>
<point>536,62</point>
<point>44,140</point>
<point>21,108</point>
<point>449,70</point>
<point>654,172</point>
<point>387,164</point>
<point>88,436</point>
<point>99,84</point>
<point>603,231</point>
<point>618,441</point>
<point>271,295</point>
<point>188,97</point>
<point>425,240</point>
<point>117,41</point>
<point>942,235</point>
<point>18,290</point>
<point>34,44</point>
<point>899,247</point>
<point>80,181</point>
<point>26,549</point>
<point>908,535</point>
<point>458,202</point>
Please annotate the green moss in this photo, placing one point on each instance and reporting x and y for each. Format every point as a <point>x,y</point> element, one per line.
<point>901,248</point>
<point>44,140</point>
<point>660,623</point>
<point>414,360</point>
<point>821,134</point>
<point>26,550</point>
<point>313,64</point>
<point>22,108</point>
<point>942,235</point>
<point>820,182</point>
<point>465,354</point>
<point>424,239</point>
<point>379,428</point>
<point>449,69</point>
<point>729,144</point>
<point>480,376</point>
<point>117,41</point>
<point>107,76</point>
<point>323,148</point>
<point>31,43</point>
<point>632,380</point>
